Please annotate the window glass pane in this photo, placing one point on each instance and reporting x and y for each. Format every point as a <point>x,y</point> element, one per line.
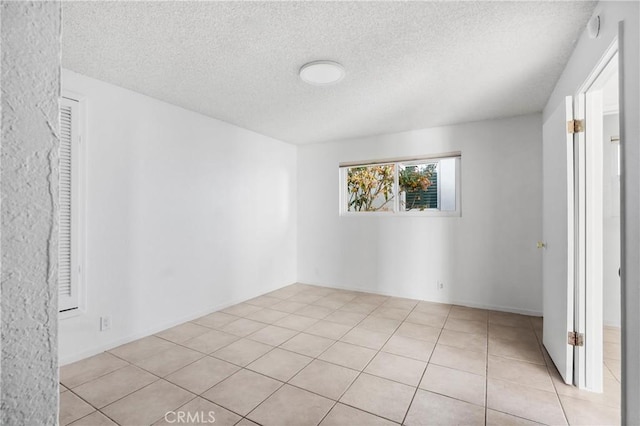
<point>370,188</point>
<point>448,184</point>
<point>418,186</point>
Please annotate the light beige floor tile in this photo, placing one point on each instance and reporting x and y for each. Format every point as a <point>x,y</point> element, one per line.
<point>242,352</point>
<point>142,348</point>
<point>169,361</point>
<point>280,364</point>
<point>183,332</point>
<point>611,395</point>
<point>62,388</point>
<point>329,303</point>
<point>72,408</point>
<point>272,335</point>
<point>509,319</point>
<point>398,314</point>
<point>525,373</point>
<point>496,418</point>
<point>429,408</point>
<point>358,308</point>
<point>305,297</point>
<point>202,374</point>
<point>215,320</point>
<point>346,318</point>
<point>456,384</point>
<point>296,322</point>
<point>396,368</point>
<point>460,359</point>
<point>343,415</point>
<point>267,316</point>
<point>418,331</point>
<point>612,351</point>
<point>347,355</point>
<point>115,385</point>
<point>580,412</point>
<point>424,318</point>
<point>367,338</point>
<point>94,419</point>
<point>373,299</point>
<point>612,335</point>
<point>441,309</point>
<point>400,303</point>
<point>210,341</point>
<point>466,313</point>
<point>243,391</point>
<point>264,301</point>
<point>524,401</point>
<point>88,369</point>
<point>203,413</point>
<point>379,396</point>
<point>148,405</point>
<point>246,422</point>
<point>291,406</point>
<point>379,324</point>
<point>519,350</point>
<point>288,306</point>
<point>468,341</point>
<point>408,347</point>
<point>241,309</point>
<point>313,311</point>
<point>466,326</point>
<point>243,327</point>
<point>324,378</point>
<point>505,332</point>
<point>307,344</point>
<point>284,293</point>
<point>615,366</point>
<point>330,330</point>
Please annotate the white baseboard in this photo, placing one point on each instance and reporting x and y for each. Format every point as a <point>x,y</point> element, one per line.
<point>466,303</point>
<point>156,329</point>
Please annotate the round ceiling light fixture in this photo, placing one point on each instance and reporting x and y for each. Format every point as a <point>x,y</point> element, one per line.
<point>322,73</point>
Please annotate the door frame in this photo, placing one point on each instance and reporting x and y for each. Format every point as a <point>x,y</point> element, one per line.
<point>589,255</point>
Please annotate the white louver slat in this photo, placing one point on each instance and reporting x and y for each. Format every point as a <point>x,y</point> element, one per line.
<point>68,274</point>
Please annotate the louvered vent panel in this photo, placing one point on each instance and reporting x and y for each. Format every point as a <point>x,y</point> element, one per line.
<point>65,191</point>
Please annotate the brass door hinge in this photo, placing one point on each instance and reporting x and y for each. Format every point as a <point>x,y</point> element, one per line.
<point>576,339</point>
<point>575,126</point>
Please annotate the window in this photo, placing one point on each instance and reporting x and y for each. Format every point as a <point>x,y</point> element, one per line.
<point>426,186</point>
<point>70,225</point>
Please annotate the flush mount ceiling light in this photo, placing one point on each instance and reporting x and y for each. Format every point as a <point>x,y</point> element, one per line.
<point>321,73</point>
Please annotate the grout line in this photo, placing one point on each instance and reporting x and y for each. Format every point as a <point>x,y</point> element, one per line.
<point>404,419</point>
<point>298,332</point>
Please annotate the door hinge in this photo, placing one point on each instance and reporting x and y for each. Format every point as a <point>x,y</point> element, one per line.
<point>575,126</point>
<point>576,339</point>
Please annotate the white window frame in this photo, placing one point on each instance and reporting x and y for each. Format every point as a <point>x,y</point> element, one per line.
<point>395,212</point>
<point>75,304</point>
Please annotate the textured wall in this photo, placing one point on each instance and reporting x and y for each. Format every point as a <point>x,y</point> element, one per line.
<point>28,322</point>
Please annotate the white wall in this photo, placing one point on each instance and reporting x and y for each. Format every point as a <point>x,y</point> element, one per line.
<point>485,258</point>
<point>585,57</point>
<point>30,45</point>
<point>611,229</point>
<point>185,214</point>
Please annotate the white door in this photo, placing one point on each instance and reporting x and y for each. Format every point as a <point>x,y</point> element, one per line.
<point>558,236</point>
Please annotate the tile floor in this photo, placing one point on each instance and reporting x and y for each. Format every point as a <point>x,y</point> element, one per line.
<point>306,355</point>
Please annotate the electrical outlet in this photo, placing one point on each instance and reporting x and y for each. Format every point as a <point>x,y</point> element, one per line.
<point>105,323</point>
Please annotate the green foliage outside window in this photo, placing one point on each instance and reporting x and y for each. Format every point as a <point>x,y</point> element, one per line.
<point>415,181</point>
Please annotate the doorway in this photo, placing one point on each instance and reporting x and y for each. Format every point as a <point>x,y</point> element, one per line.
<point>597,227</point>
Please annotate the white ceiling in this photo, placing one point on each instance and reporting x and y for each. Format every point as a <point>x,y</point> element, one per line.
<point>408,65</point>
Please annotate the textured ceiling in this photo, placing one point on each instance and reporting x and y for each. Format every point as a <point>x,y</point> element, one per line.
<point>408,65</point>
